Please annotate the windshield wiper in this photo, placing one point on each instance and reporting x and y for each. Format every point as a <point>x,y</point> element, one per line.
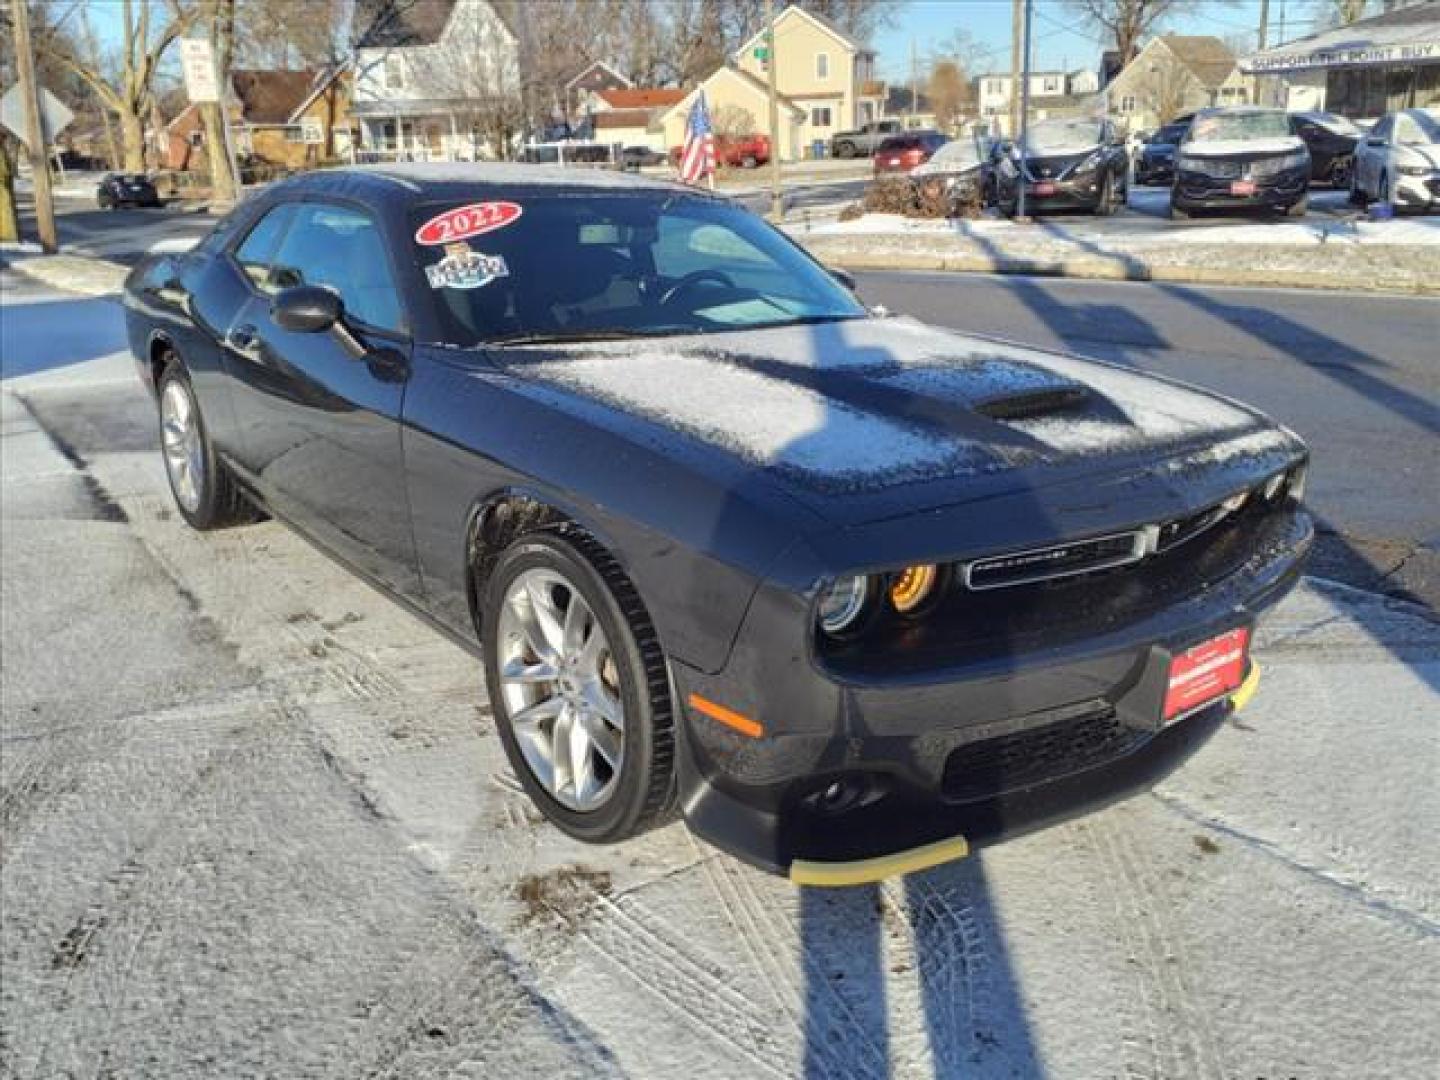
<point>552,337</point>
<point>799,320</point>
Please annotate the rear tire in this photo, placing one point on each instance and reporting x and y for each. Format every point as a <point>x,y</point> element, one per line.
<point>637,795</point>
<point>1298,209</point>
<point>845,150</point>
<point>1177,213</point>
<point>1106,206</point>
<point>1357,193</point>
<point>204,491</point>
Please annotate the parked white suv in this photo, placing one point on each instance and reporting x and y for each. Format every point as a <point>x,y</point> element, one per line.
<point>1399,161</point>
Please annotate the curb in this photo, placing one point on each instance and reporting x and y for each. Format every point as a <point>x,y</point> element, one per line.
<point>83,274</point>
<point>1126,268</point>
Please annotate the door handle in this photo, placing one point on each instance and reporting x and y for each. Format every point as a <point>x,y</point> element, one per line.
<point>242,340</point>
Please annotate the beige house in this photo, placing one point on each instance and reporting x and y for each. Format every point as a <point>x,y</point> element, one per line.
<point>821,71</point>
<point>1175,74</point>
<point>731,89</point>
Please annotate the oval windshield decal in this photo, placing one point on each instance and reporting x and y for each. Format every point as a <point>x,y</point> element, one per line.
<point>467,221</point>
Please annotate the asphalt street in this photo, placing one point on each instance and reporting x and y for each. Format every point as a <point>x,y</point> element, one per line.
<point>1356,376</point>
<point>255,820</point>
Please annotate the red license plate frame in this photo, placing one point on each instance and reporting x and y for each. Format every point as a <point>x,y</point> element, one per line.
<point>1043,189</point>
<point>1242,187</point>
<point>1205,673</point>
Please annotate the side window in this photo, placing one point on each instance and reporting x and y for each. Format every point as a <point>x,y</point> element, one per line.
<point>258,248</point>
<point>341,249</point>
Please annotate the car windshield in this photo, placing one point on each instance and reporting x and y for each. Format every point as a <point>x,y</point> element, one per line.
<point>1338,124</point>
<point>1419,127</point>
<point>1059,136</point>
<point>571,266</point>
<point>1239,127</point>
<point>1169,135</point>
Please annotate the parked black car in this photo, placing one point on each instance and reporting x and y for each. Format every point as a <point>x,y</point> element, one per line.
<point>1155,164</point>
<point>121,189</point>
<point>634,157</point>
<point>1069,164</point>
<point>1331,141</point>
<point>850,593</point>
<point>1241,158</point>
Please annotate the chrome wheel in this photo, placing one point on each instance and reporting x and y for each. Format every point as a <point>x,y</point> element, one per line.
<point>181,443</point>
<point>560,685</point>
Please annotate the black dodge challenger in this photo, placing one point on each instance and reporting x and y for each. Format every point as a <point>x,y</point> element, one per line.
<point>850,593</point>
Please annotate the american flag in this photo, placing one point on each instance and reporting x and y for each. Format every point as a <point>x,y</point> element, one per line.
<point>697,161</point>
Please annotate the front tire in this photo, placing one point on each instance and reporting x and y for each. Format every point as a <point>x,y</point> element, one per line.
<point>579,687</point>
<point>1107,205</point>
<point>204,492</point>
<point>1298,209</point>
<point>1178,213</point>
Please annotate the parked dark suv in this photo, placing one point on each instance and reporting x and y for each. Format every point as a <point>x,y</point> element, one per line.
<point>1241,158</point>
<point>1331,141</point>
<point>1155,163</point>
<point>1069,164</point>
<point>118,189</point>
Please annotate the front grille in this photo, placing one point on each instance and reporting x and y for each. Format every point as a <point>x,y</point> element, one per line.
<point>992,766</point>
<point>1216,169</point>
<point>1056,561</point>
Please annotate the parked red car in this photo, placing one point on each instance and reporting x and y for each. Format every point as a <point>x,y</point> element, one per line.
<point>744,153</point>
<point>901,153</point>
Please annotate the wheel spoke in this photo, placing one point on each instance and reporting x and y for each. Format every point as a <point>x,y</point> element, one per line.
<point>546,619</point>
<point>517,670</point>
<point>577,619</point>
<point>599,701</point>
<point>547,708</point>
<point>605,741</point>
<point>524,612</point>
<point>582,771</point>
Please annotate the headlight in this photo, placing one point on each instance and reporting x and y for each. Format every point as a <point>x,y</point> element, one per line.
<point>843,603</point>
<point>1091,163</point>
<point>1297,160</point>
<point>1414,170</point>
<point>912,590</point>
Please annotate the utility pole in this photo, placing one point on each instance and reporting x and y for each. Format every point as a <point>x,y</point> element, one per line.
<point>1024,114</point>
<point>34,129</point>
<point>777,199</point>
<point>914,80</point>
<point>1017,20</point>
<point>1264,25</point>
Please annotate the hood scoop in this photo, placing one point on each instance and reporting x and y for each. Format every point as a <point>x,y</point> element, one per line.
<point>1029,404</point>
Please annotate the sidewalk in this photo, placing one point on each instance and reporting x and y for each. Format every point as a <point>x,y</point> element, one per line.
<point>1401,256</point>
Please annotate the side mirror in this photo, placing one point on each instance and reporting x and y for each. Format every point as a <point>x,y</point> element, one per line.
<point>844,277</point>
<point>306,309</point>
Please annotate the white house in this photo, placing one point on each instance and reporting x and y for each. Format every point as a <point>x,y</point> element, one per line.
<point>436,80</point>
<point>1175,74</point>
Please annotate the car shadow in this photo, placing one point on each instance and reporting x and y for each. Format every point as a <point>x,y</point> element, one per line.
<point>47,334</point>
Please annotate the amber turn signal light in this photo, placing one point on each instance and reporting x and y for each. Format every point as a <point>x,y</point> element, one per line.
<point>912,587</point>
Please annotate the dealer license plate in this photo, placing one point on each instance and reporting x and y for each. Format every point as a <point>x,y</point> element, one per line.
<point>1043,189</point>
<point>1206,673</point>
<point>894,161</point>
<point>1242,187</point>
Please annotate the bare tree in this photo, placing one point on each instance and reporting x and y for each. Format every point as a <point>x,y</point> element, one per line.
<point>1123,22</point>
<point>733,123</point>
<point>1342,12</point>
<point>126,86</point>
<point>967,53</point>
<point>466,66</point>
<point>291,34</point>
<point>949,93</point>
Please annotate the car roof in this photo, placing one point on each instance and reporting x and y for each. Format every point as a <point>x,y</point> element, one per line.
<point>392,184</point>
<point>1239,110</point>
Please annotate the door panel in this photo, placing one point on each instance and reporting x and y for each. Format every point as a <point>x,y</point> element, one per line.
<point>321,428</point>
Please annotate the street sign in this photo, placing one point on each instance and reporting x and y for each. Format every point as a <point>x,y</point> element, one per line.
<point>197,60</point>
<point>54,116</point>
<point>762,53</point>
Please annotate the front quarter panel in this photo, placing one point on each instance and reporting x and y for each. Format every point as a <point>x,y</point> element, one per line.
<point>692,541</point>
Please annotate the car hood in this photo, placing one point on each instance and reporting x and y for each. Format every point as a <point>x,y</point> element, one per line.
<point>873,418</point>
<point>1420,155</point>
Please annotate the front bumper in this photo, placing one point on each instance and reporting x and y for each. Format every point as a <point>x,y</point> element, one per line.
<point>1196,191</point>
<point>1081,193</point>
<point>1422,192</point>
<point>867,772</point>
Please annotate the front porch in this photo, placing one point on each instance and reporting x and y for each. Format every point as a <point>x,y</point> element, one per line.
<point>436,133</point>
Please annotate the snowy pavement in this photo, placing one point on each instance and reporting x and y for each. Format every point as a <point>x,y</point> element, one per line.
<point>256,820</point>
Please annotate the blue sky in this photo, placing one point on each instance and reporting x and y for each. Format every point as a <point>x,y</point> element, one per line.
<point>1059,39</point>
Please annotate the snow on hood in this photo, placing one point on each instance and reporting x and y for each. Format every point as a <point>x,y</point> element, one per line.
<point>869,404</point>
<point>1286,144</point>
<point>1420,155</point>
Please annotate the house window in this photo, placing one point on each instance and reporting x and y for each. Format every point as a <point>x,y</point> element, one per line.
<point>197,138</point>
<point>1052,85</point>
<point>311,130</point>
<point>1127,103</point>
<point>820,116</point>
<point>822,65</point>
<point>394,73</point>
